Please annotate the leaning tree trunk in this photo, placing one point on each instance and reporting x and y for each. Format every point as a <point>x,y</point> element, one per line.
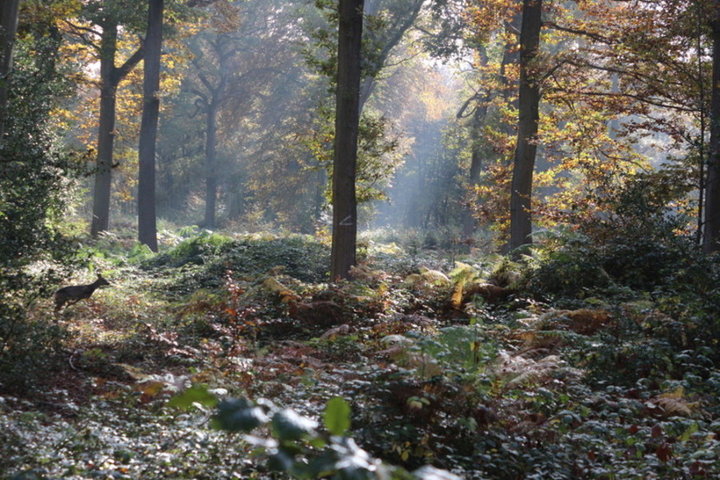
<point>147,222</point>
<point>347,118</point>
<point>8,27</point>
<point>711,234</point>
<point>528,116</point>
<point>210,174</point>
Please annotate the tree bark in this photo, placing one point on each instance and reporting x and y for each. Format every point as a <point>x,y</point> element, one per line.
<point>106,131</point>
<point>214,89</point>
<point>8,28</point>
<point>478,121</point>
<point>110,77</point>
<point>511,57</point>
<point>147,222</point>
<point>210,174</point>
<point>528,116</point>
<point>347,117</point>
<point>711,233</point>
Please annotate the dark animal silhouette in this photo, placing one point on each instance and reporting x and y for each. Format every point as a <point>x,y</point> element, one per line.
<point>73,294</point>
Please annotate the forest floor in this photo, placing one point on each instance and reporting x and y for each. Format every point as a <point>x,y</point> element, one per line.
<point>442,356</point>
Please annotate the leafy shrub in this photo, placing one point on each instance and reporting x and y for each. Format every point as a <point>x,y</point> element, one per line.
<point>29,345</point>
<point>567,265</point>
<point>204,260</point>
<point>295,444</point>
<point>192,250</point>
<point>573,264</point>
<point>634,239</point>
<point>32,181</point>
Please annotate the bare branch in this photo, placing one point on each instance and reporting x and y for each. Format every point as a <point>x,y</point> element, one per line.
<point>83,34</point>
<point>640,98</point>
<point>595,36</point>
<point>121,72</point>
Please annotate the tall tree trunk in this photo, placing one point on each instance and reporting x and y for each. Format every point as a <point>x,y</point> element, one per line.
<point>106,131</point>
<point>8,28</point>
<point>511,57</point>
<point>347,117</point>
<point>528,116</point>
<point>110,78</point>
<point>476,125</point>
<point>478,121</point>
<point>210,174</point>
<point>147,223</point>
<point>711,234</point>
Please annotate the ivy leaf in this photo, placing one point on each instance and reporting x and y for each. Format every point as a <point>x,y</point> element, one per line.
<point>337,416</point>
<point>195,394</point>
<point>281,461</point>
<point>288,425</point>
<point>322,465</point>
<point>239,415</point>
<point>688,433</point>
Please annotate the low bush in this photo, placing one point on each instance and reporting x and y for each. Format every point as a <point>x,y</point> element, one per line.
<point>202,261</point>
<point>30,340</point>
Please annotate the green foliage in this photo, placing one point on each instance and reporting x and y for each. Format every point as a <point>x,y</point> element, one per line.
<point>123,12</point>
<point>203,261</point>
<point>197,394</point>
<point>337,416</point>
<point>677,283</point>
<point>194,249</point>
<point>567,267</point>
<point>636,242</point>
<point>32,180</point>
<point>239,415</point>
<point>463,349</point>
<point>33,165</point>
<point>510,392</point>
<point>379,153</point>
<point>298,449</point>
<point>29,346</point>
<point>382,30</point>
<point>576,264</point>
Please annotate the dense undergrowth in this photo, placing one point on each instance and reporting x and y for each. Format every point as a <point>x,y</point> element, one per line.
<point>588,359</point>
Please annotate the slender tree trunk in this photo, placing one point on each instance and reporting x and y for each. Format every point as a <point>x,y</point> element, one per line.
<point>529,101</point>
<point>478,120</point>
<point>476,136</point>
<point>147,222</point>
<point>106,131</point>
<point>711,233</point>
<point>700,20</point>
<point>210,174</point>
<point>347,117</point>
<point>319,195</point>
<point>8,28</point>
<point>110,77</point>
